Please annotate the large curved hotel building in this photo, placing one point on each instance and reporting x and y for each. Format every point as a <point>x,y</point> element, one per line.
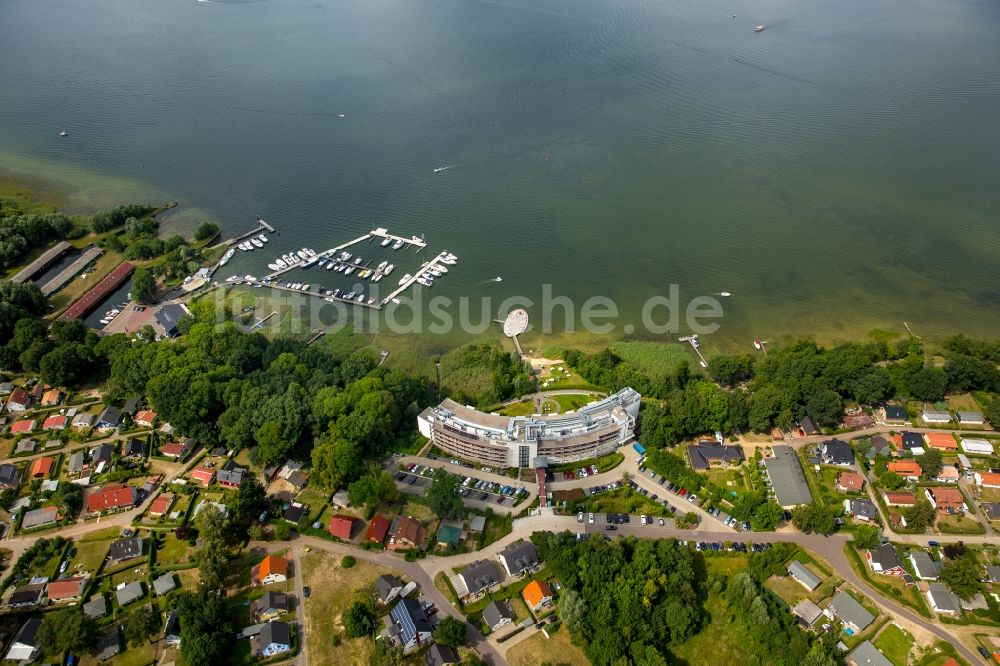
<point>516,441</point>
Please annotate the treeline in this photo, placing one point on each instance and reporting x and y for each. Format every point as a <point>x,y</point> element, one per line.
<point>21,233</point>
<point>483,374</point>
<point>116,217</point>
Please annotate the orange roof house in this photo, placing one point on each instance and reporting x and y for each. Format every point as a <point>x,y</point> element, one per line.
<point>945,500</point>
<point>988,479</point>
<point>899,498</point>
<point>410,533</point>
<point>850,481</point>
<point>25,425</point>
<point>51,398</point>
<point>203,475</point>
<point>941,440</point>
<point>55,422</point>
<point>66,588</point>
<point>905,468</point>
<point>145,418</point>
<point>537,594</point>
<point>161,504</point>
<point>272,569</point>
<point>116,496</point>
<point>377,530</point>
<point>341,527</point>
<point>172,449</point>
<point>42,468</point>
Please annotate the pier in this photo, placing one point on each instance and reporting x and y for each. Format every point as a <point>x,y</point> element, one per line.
<point>260,322</point>
<point>413,278</point>
<point>261,227</point>
<point>322,255</point>
<point>695,345</point>
<point>413,240</point>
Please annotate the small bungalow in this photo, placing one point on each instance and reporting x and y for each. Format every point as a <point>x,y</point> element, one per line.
<point>497,615</point>
<point>971,418</point>
<point>47,515</point>
<point>850,482</point>
<point>203,475</point>
<point>52,398</point>
<point>449,533</point>
<point>943,441</point>
<point>987,479</point>
<point>885,560</point>
<point>409,533</point>
<point>274,638</point>
<point>134,449</point>
<point>809,426</point>
<point>96,608</point>
<point>294,512</point>
<point>894,414</point>
<point>910,441</point>
<point>377,529</point>
<point>807,612</point>
<point>232,478</point>
<point>707,453</point>
<point>9,476</point>
<point>110,645</point>
<point>130,593</point>
<point>441,655</point>
<point>847,609</point>
<point>83,420</point>
<point>24,647</point>
<point>803,575</point>
<point>164,584</point>
<point>109,418</point>
<point>66,589</point>
<point>974,445</point>
<point>126,549</point>
<point>55,422</point>
<point>907,469</point>
<point>103,453</point>
<point>924,565</point>
<point>22,427</point>
<point>161,505</point>
<point>26,596</point>
<point>836,452</point>
<point>42,468</point>
<point>942,600</point>
<point>866,654</point>
<point>19,401</point>
<point>899,498</point>
<point>862,509</point>
<point>272,569</point>
<point>271,605</point>
<point>341,526</point>
<point>948,474</point>
<point>172,630</point>
<point>387,587</point>
<point>145,418</point>
<point>936,416</point>
<point>111,498</point>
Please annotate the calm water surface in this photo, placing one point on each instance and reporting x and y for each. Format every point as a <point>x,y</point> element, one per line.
<point>837,172</point>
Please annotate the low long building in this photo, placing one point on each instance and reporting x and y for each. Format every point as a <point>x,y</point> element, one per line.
<point>516,441</point>
<point>89,301</point>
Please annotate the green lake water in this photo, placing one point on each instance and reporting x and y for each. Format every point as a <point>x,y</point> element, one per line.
<point>837,172</point>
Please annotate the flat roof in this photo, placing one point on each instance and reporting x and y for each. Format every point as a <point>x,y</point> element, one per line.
<point>42,262</point>
<point>787,477</point>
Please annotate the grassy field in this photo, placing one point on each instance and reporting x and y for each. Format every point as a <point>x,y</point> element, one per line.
<point>570,401</point>
<point>418,511</point>
<point>558,651</point>
<point>604,464</point>
<point>624,500</point>
<point>334,588</point>
<point>960,525</point>
<point>895,644</point>
<point>92,549</point>
<point>173,551</point>
<point>655,360</point>
<point>963,402</point>
<point>727,478</point>
<point>522,408</point>
<point>717,638</point>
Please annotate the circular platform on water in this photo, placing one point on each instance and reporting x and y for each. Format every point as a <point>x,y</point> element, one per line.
<point>516,323</point>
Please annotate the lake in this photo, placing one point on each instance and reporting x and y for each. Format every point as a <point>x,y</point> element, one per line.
<point>837,172</point>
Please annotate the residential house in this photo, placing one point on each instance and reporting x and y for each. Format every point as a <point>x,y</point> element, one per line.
<point>807,612</point>
<point>894,414</point>
<point>104,453</point>
<point>130,593</point>
<point>55,422</point>
<point>110,645</point>
<point>341,526</point>
<point>803,575</point>
<point>409,533</point>
<point>145,418</point>
<point>25,446</point>
<point>377,529</point>
<point>477,524</point>
<point>907,469</point>
<point>47,515</point>
<point>836,452</point>
<point>51,398</point>
<point>943,441</point>
<point>899,498</point>
<point>862,509</point>
<point>850,482</point>
<point>96,608</point>
<point>19,401</point>
<point>172,630</point>
<point>164,584</point>
<point>9,476</point>
<point>272,569</point>
<point>410,626</point>
<point>111,498</point>
<point>203,475</point>
<point>109,418</point>
<point>885,560</point>
<point>26,596</point>
<point>993,573</point>
<point>173,450</point>
<point>387,587</point>
<point>66,589</point>
<point>271,605</point>
<point>809,426</point>
<point>24,646</point>
<point>847,609</point>
<point>169,316</point>
<point>161,505</point>
<point>41,468</point>
<point>936,416</point>
<point>987,479</point>
<point>6,388</point>
<point>83,420</point>
<point>294,512</point>
<point>519,557</point>
<point>910,441</point>
<point>441,655</point>
<point>971,418</point>
<point>22,427</point>
<point>945,500</point>
<point>704,454</point>
<point>974,445</point>
<point>231,478</point>
<point>131,406</point>
<point>866,654</point>
<point>948,474</point>
<point>925,567</point>
<point>537,594</point>
<point>880,447</point>
<point>134,449</point>
<point>126,549</point>
<point>449,533</point>
<point>942,600</point>
<point>497,615</point>
<point>787,478</point>
<point>479,577</point>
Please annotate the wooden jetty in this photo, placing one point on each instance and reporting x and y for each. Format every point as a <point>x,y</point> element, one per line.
<point>260,322</point>
<point>695,345</point>
<point>261,227</point>
<point>413,278</point>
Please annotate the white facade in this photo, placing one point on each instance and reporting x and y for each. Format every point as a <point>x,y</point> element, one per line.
<point>980,446</point>
<point>935,416</point>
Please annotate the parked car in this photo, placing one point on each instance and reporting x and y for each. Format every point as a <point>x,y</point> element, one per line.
<point>610,528</point>
<point>579,517</point>
<point>642,519</point>
<point>590,519</point>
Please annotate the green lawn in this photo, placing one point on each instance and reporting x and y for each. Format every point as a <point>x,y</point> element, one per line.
<point>522,408</point>
<point>173,551</point>
<point>570,401</point>
<point>624,500</point>
<point>895,644</point>
<point>655,359</point>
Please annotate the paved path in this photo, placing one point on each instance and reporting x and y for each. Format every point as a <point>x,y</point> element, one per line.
<point>302,659</point>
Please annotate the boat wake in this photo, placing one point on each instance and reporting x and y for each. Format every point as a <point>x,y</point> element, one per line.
<point>444,168</point>
<point>496,279</point>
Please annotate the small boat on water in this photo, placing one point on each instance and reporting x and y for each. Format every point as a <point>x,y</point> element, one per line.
<point>405,278</point>
<point>725,294</point>
<point>331,265</point>
<point>273,267</point>
<point>321,263</point>
<point>382,266</point>
<point>64,133</point>
<point>398,244</point>
<point>441,269</point>
<point>226,257</point>
<point>759,28</point>
<point>434,273</point>
<point>389,269</point>
<point>424,281</point>
<point>378,276</point>
<point>256,242</point>
<point>302,254</point>
<point>358,260</point>
<point>310,252</point>
<point>262,238</point>
<point>444,168</point>
<point>371,299</point>
<point>396,300</point>
<point>386,241</point>
<point>350,269</point>
<point>280,263</point>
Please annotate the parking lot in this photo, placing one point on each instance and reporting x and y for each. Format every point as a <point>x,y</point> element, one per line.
<point>683,494</point>
<point>475,492</point>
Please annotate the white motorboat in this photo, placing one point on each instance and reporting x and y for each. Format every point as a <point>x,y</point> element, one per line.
<point>396,300</point>
<point>358,260</point>
<point>360,298</point>
<point>386,241</point>
<point>371,299</point>
<point>103,321</point>
<point>725,294</point>
<point>424,281</point>
<point>405,278</point>
<point>398,244</point>
<point>389,268</point>
<point>378,276</point>
<point>349,270</point>
<point>262,238</point>
<point>308,251</point>
<point>273,267</point>
<point>434,272</point>
<point>256,242</point>
<point>64,133</point>
<point>344,256</point>
<point>302,254</point>
<point>382,266</point>
<point>441,269</point>
<point>226,257</point>
<point>281,263</point>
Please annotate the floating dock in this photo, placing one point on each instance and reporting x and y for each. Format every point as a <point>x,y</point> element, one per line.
<point>413,278</point>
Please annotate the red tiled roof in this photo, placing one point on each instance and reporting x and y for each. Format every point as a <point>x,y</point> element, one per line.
<point>161,504</point>
<point>24,425</point>
<point>947,497</point>
<point>111,497</point>
<point>172,449</point>
<point>18,397</point>
<point>988,478</point>
<point>111,281</point>
<point>900,497</point>
<point>203,475</point>
<point>341,526</point>
<point>941,440</point>
<point>377,530</point>
<point>67,588</point>
<point>52,397</point>
<point>54,421</point>
<point>145,416</point>
<point>905,468</point>
<point>271,565</point>
<point>536,591</point>
<point>851,481</point>
<point>42,467</point>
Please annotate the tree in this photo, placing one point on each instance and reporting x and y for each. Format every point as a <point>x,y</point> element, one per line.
<point>372,488</point>
<point>961,575</point>
<point>920,516</point>
<point>359,620</point>
<point>450,631</point>
<point>926,383</point>
<point>272,446</point>
<point>141,624</point>
<point>442,497</point>
<point>347,561</point>
<point>66,631</point>
<point>249,501</point>
<point>205,629</point>
<point>336,462</point>
<point>867,537</point>
<point>825,406</point>
<point>70,498</point>
<point>572,609</point>
<point>930,462</point>
<point>212,558</point>
<point>206,231</point>
<point>814,518</point>
<point>143,286</point>
<point>386,653</point>
<point>767,516</point>
<point>65,365</point>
